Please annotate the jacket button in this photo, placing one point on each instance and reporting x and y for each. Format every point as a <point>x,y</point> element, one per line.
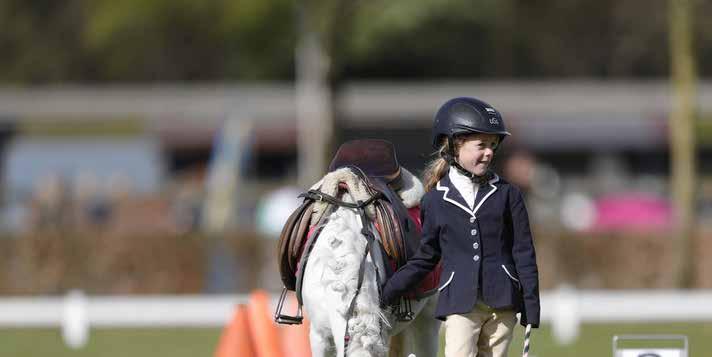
<point>473,232</point>
<point>476,258</point>
<point>472,219</point>
<point>475,245</point>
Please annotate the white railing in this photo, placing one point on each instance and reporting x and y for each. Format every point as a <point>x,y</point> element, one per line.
<point>120,311</point>
<point>565,309</point>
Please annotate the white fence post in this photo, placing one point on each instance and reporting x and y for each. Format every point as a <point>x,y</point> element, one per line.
<point>566,315</point>
<point>75,323</point>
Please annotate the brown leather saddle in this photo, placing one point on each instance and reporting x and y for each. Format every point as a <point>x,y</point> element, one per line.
<point>397,231</point>
<point>375,163</point>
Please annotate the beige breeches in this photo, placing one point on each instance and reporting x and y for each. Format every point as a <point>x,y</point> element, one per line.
<point>480,333</point>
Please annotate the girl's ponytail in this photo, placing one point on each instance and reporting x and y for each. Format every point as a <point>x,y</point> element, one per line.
<point>436,169</point>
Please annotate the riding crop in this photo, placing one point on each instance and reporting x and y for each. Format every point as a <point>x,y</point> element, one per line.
<point>527,336</point>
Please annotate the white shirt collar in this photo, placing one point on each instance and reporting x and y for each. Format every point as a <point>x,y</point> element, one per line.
<point>463,184</point>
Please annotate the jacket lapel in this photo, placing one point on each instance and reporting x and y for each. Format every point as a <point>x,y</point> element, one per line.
<point>452,196</point>
<point>485,192</point>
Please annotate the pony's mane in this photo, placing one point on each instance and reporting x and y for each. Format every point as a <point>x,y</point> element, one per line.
<point>331,276</point>
<point>339,251</point>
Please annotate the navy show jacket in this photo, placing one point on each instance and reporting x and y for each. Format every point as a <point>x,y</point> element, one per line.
<point>489,247</point>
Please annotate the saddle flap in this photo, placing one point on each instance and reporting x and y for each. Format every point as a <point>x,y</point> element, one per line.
<point>400,236</point>
<point>287,267</point>
<point>298,238</point>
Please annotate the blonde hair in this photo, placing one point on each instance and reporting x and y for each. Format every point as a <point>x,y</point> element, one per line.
<point>437,168</point>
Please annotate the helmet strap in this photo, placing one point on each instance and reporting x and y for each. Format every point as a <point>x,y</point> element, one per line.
<point>480,180</point>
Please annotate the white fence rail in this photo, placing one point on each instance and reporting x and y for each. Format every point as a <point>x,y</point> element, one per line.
<point>565,309</point>
<point>120,311</point>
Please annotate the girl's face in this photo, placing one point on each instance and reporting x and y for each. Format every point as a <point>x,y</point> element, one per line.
<point>476,152</point>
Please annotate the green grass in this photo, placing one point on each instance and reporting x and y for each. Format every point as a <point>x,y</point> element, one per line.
<point>111,343</point>
<point>594,341</point>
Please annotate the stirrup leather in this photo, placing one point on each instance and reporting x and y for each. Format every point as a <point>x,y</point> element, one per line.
<point>281,318</point>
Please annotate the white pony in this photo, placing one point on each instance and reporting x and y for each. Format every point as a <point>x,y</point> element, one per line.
<point>331,279</point>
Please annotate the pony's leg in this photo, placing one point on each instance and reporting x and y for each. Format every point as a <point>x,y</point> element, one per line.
<point>320,344</point>
<point>338,327</point>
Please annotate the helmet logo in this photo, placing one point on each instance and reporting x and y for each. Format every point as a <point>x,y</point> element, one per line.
<point>493,120</point>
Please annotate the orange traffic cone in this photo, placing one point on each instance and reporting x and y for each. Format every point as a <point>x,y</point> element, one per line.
<point>264,330</point>
<point>295,338</point>
<point>235,340</point>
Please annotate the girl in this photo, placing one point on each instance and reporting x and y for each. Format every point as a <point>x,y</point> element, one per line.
<point>478,224</point>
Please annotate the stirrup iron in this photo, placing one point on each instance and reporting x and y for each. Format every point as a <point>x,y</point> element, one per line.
<point>285,319</point>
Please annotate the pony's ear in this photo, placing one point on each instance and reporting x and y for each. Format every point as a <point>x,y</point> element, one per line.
<point>412,190</point>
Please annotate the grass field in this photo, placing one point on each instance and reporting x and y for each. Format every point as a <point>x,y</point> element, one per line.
<point>594,341</point>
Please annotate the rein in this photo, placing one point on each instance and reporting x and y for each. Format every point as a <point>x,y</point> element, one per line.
<point>317,195</point>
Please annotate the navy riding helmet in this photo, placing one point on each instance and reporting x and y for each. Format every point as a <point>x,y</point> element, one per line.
<point>466,115</point>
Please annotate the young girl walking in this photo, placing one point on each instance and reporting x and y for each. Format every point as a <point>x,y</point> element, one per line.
<point>476,222</point>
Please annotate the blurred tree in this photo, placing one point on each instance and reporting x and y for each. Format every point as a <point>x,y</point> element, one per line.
<point>145,40</point>
<point>512,38</point>
<point>161,40</point>
<point>40,41</point>
<point>135,39</point>
<point>191,40</point>
<point>682,139</point>
<point>422,38</point>
<point>702,28</point>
